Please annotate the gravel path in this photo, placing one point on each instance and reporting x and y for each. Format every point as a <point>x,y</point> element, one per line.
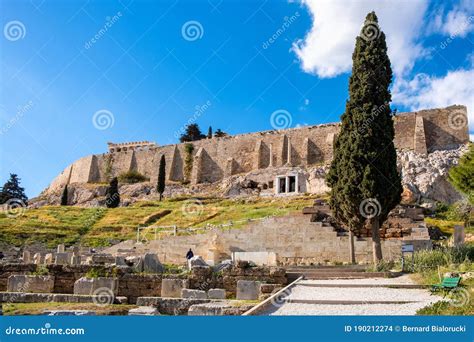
<point>292,309</point>
<point>418,298</point>
<point>363,293</point>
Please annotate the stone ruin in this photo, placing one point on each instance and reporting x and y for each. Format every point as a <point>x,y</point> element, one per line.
<point>211,289</point>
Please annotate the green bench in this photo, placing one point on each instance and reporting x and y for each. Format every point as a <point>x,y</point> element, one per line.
<point>447,284</point>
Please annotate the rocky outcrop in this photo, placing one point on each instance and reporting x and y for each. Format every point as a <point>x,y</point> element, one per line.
<point>424,177</point>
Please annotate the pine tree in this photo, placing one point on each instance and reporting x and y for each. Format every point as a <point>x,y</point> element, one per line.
<point>365,184</point>
<point>192,133</point>
<point>462,175</point>
<point>64,196</point>
<point>12,190</point>
<point>160,186</point>
<point>209,133</point>
<point>219,133</point>
<point>112,196</point>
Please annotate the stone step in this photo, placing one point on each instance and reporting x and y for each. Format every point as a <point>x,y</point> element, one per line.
<point>345,302</point>
<point>339,275</point>
<point>326,269</point>
<point>391,286</point>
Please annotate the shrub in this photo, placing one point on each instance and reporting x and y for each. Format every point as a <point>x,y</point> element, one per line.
<point>131,177</point>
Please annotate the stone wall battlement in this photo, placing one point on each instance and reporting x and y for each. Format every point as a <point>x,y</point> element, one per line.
<point>212,160</point>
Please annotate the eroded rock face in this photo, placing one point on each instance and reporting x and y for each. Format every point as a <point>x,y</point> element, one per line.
<point>424,177</point>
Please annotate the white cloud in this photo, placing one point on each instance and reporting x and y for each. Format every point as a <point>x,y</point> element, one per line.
<point>457,22</point>
<point>327,48</point>
<point>424,91</point>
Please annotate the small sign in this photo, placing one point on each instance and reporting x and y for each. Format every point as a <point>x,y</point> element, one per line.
<point>407,248</point>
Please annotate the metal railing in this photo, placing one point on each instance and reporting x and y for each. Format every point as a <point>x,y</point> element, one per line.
<point>174,230</point>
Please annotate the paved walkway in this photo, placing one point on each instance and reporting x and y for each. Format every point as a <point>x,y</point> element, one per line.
<point>370,296</point>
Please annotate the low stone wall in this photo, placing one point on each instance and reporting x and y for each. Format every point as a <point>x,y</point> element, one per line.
<point>134,285</point>
<point>130,285</point>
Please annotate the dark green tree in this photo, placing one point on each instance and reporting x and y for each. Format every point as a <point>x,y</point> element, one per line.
<point>192,133</point>
<point>209,133</point>
<point>365,184</point>
<point>64,196</point>
<point>219,133</point>
<point>12,190</point>
<point>112,196</point>
<point>462,175</point>
<point>160,186</point>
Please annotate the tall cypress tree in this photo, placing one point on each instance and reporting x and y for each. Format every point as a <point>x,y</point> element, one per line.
<point>365,184</point>
<point>209,132</point>
<point>112,196</point>
<point>160,186</point>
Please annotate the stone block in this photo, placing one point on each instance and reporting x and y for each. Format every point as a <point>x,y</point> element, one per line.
<point>120,261</point>
<point>96,286</point>
<point>189,293</point>
<point>26,257</point>
<point>30,283</point>
<point>172,288</point>
<point>258,258</point>
<point>144,311</point>
<point>48,259</point>
<point>216,294</point>
<point>37,259</point>
<point>61,248</point>
<point>197,261</point>
<point>69,313</point>
<point>459,236</point>
<point>75,259</point>
<point>269,288</point>
<point>62,259</point>
<point>151,264</point>
<point>248,289</point>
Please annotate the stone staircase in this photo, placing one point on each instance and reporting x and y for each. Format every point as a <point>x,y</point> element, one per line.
<point>333,272</point>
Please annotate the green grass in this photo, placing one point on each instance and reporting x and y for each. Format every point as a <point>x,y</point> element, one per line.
<point>52,225</point>
<point>15,309</point>
<point>431,267</point>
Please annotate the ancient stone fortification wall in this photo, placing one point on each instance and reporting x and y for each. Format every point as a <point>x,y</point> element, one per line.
<point>218,158</point>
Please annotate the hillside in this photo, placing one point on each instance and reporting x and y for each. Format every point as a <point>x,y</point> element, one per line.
<point>51,225</point>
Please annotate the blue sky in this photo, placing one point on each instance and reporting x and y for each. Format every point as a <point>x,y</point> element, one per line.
<point>150,66</point>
